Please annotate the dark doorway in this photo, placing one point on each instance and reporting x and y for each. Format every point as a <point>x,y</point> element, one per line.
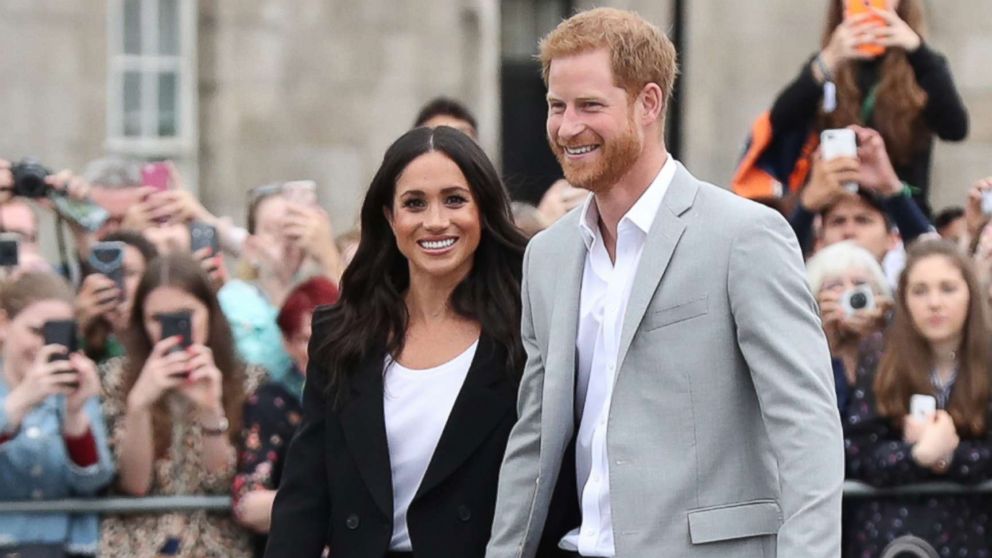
<point>529,167</point>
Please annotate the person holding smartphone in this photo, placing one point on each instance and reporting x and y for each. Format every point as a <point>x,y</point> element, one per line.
<point>102,307</point>
<point>937,346</point>
<point>53,443</point>
<point>173,408</point>
<point>290,240</point>
<point>874,68</point>
<point>878,191</point>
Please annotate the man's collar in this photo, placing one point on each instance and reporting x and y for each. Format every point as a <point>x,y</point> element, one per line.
<point>640,215</point>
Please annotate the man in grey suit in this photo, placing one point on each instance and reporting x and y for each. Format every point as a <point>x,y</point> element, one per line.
<point>678,398</point>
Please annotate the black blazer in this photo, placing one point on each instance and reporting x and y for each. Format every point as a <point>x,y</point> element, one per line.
<point>337,490</point>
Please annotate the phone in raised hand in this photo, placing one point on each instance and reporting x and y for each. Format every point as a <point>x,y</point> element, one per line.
<point>62,332</point>
<point>107,258</point>
<point>922,406</point>
<point>854,8</point>
<point>839,142</point>
<point>158,175</point>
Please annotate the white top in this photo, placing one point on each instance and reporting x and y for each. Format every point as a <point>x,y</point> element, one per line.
<point>605,290</point>
<point>416,404</point>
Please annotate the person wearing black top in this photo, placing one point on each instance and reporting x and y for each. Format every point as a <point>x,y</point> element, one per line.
<point>413,374</point>
<point>937,347</point>
<point>907,93</point>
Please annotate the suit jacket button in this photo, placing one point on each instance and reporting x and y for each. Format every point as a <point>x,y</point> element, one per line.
<point>352,522</point>
<point>464,513</point>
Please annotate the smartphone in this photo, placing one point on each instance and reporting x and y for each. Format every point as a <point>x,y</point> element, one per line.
<point>85,213</point>
<point>157,175</point>
<point>854,8</point>
<point>922,406</point>
<point>839,142</point>
<point>62,332</point>
<point>170,547</point>
<point>202,235</point>
<point>303,192</point>
<point>10,250</point>
<point>177,323</point>
<point>987,202</point>
<point>107,258</point>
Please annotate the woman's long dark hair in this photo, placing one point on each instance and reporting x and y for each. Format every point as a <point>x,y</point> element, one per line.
<point>371,318</point>
<point>906,364</point>
<point>184,273</point>
<point>898,111</point>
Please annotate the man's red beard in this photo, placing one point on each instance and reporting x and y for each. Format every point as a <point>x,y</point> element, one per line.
<point>614,160</point>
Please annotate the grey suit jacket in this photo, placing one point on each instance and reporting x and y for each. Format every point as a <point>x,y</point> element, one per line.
<point>723,438</point>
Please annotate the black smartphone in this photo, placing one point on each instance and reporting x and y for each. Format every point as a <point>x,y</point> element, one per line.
<point>61,332</point>
<point>202,235</point>
<point>170,547</point>
<point>107,258</point>
<point>177,323</point>
<point>10,250</point>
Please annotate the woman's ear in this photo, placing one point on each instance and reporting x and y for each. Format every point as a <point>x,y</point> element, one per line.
<point>388,212</point>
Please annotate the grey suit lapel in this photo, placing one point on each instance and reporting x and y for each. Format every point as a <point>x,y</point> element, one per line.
<point>664,236</point>
<point>565,318</point>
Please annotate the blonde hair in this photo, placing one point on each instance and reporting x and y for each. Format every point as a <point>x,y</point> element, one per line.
<point>17,294</point>
<point>639,52</point>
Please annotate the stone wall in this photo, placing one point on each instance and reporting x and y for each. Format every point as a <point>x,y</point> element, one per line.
<point>319,88</point>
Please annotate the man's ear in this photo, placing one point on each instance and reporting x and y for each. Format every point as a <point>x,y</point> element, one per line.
<point>652,103</point>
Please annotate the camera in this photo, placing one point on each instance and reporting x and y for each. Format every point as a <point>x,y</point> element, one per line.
<point>857,299</point>
<point>29,178</point>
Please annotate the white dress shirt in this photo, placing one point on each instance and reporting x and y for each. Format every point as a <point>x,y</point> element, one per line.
<point>606,288</point>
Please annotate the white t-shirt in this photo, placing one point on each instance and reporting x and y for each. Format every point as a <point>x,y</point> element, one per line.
<point>416,404</point>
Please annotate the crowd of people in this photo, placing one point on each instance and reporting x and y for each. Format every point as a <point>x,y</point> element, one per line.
<point>183,362</point>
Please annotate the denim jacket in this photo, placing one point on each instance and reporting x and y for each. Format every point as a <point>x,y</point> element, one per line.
<point>35,465</point>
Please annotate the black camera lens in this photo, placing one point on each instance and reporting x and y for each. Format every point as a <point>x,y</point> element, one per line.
<point>859,301</point>
<point>29,178</point>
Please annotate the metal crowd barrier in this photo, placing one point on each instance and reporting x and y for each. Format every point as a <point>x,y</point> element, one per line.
<point>159,504</point>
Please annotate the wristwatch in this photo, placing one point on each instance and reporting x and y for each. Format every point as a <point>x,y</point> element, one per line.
<point>222,427</point>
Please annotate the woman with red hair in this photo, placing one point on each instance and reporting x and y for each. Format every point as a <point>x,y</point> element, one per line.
<point>273,412</point>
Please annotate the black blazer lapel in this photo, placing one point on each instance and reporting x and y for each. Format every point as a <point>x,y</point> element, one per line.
<point>364,426</point>
<point>484,400</point>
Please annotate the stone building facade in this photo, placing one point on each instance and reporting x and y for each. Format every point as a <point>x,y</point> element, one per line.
<point>260,90</point>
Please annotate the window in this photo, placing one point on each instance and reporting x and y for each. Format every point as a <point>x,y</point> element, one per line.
<point>152,80</point>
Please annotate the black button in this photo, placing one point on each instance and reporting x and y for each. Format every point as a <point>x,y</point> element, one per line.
<point>464,513</point>
<point>352,522</point>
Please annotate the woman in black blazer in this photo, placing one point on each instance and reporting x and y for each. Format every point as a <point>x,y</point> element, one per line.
<point>413,374</point>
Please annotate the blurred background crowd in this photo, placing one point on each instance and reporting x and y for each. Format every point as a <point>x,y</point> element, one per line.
<point>179,184</point>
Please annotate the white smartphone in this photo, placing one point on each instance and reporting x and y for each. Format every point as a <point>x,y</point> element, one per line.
<point>922,406</point>
<point>839,142</point>
<point>987,202</point>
